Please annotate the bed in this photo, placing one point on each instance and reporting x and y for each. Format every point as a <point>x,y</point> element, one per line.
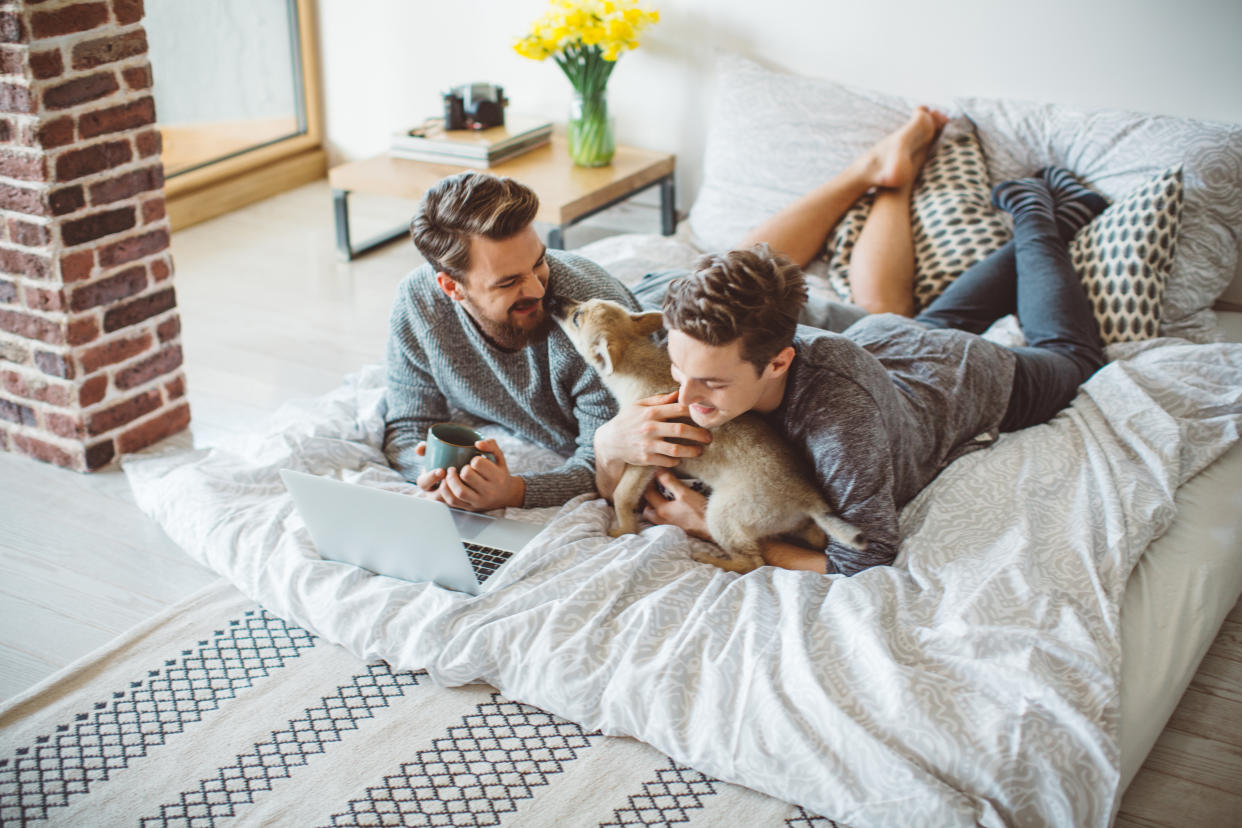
<point>1053,596</point>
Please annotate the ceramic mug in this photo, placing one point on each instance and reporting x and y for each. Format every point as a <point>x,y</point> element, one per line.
<point>451,446</point>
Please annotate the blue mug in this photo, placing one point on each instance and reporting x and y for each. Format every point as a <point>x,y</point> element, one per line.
<point>451,446</point>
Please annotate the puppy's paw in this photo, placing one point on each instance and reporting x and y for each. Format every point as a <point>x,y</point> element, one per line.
<point>844,533</point>
<point>854,540</point>
<point>729,563</point>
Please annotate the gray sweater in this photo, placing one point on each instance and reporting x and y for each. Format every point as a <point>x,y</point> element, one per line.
<point>879,410</point>
<point>440,367</point>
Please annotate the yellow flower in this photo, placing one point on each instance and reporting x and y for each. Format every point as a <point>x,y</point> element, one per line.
<point>532,49</point>
<point>619,29</point>
<point>586,36</point>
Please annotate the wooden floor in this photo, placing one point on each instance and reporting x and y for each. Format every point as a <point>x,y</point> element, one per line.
<point>270,314</point>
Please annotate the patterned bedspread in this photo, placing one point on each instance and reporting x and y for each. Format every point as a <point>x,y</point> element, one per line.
<point>975,681</point>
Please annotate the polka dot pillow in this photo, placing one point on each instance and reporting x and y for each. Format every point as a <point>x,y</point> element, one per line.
<point>952,220</point>
<point>1124,257</point>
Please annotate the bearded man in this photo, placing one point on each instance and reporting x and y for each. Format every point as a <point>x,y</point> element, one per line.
<point>470,339</point>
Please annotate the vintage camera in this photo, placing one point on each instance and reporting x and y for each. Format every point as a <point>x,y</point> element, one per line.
<point>474,106</point>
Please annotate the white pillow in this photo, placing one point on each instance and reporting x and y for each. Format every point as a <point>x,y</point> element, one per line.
<point>773,137</point>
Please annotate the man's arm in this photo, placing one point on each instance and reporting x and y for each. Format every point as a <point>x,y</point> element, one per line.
<point>641,435</point>
<point>848,447</point>
<point>592,406</point>
<point>840,428</point>
<point>414,401</point>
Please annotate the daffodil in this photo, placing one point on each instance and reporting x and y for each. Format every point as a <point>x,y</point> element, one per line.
<point>586,38</point>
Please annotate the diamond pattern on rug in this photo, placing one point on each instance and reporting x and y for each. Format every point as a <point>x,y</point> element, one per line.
<point>676,789</point>
<point>495,758</point>
<point>114,733</point>
<point>803,819</point>
<point>236,785</point>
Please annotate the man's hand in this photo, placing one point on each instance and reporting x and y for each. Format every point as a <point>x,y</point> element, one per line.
<point>480,486</point>
<point>687,509</point>
<point>641,435</point>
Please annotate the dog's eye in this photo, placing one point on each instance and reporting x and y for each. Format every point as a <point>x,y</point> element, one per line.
<point>574,318</point>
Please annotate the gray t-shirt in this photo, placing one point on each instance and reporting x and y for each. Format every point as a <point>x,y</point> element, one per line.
<point>441,367</point>
<point>879,410</point>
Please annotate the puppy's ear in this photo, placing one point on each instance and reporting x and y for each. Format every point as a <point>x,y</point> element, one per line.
<point>604,354</point>
<point>647,323</point>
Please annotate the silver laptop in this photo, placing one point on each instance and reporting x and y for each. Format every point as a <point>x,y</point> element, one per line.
<point>405,536</point>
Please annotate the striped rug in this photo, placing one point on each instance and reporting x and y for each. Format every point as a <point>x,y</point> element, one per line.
<point>218,713</point>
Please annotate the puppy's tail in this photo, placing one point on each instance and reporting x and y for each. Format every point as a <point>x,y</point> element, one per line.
<point>842,531</point>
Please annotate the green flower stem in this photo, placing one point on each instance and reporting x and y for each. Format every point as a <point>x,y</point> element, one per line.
<point>590,136</point>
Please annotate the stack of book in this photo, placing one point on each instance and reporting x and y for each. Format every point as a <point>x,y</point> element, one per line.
<point>471,148</point>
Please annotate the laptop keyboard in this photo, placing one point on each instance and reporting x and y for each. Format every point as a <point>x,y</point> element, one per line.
<point>485,559</point>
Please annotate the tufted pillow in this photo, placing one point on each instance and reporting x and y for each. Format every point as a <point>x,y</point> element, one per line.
<point>1124,257</point>
<point>953,222</point>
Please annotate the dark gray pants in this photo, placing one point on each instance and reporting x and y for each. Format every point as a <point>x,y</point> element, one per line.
<point>1033,277</point>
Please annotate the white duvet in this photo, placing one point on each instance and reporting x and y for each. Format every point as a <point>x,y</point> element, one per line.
<point>976,681</point>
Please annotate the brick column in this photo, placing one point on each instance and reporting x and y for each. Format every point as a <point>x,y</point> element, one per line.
<point>90,353</point>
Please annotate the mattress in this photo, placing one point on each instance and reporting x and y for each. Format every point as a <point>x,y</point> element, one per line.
<point>1178,595</point>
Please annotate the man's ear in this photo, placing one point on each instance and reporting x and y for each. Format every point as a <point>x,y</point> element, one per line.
<point>604,355</point>
<point>647,323</point>
<point>780,363</point>
<point>450,286</point>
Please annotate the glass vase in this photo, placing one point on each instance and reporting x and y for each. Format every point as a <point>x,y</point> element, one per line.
<point>590,129</point>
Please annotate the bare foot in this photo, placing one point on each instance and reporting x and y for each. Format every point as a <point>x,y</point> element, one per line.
<point>897,158</point>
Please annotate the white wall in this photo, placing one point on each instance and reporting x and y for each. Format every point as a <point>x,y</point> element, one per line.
<point>385,61</point>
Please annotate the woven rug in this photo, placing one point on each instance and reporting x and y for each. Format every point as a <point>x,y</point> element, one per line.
<point>218,713</point>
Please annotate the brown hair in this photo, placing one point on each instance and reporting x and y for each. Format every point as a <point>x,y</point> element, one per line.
<point>465,205</point>
<point>754,295</point>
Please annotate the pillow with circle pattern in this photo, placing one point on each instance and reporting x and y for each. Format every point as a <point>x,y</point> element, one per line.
<point>952,219</point>
<point>1124,257</point>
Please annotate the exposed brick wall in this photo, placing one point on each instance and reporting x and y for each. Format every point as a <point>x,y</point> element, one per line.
<point>90,348</point>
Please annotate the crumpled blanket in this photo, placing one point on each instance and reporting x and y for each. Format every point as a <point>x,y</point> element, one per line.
<point>973,682</point>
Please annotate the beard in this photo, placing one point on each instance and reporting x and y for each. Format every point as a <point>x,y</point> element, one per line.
<point>515,332</point>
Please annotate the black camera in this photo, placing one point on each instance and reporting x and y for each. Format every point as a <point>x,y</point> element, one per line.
<point>474,106</point>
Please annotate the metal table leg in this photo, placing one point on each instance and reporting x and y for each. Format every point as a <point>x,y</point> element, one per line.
<point>668,205</point>
<point>347,251</point>
<point>668,211</point>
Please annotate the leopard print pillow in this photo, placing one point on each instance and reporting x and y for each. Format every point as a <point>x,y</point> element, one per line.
<point>1124,257</point>
<point>952,219</point>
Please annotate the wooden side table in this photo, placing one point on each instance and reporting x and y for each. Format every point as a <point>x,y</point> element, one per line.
<point>567,193</point>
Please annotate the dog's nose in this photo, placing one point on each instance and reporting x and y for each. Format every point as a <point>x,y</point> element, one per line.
<point>557,306</point>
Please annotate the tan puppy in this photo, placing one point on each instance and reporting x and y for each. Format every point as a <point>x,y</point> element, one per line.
<point>757,489</point>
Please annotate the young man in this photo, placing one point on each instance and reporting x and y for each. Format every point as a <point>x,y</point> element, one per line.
<point>879,411</point>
